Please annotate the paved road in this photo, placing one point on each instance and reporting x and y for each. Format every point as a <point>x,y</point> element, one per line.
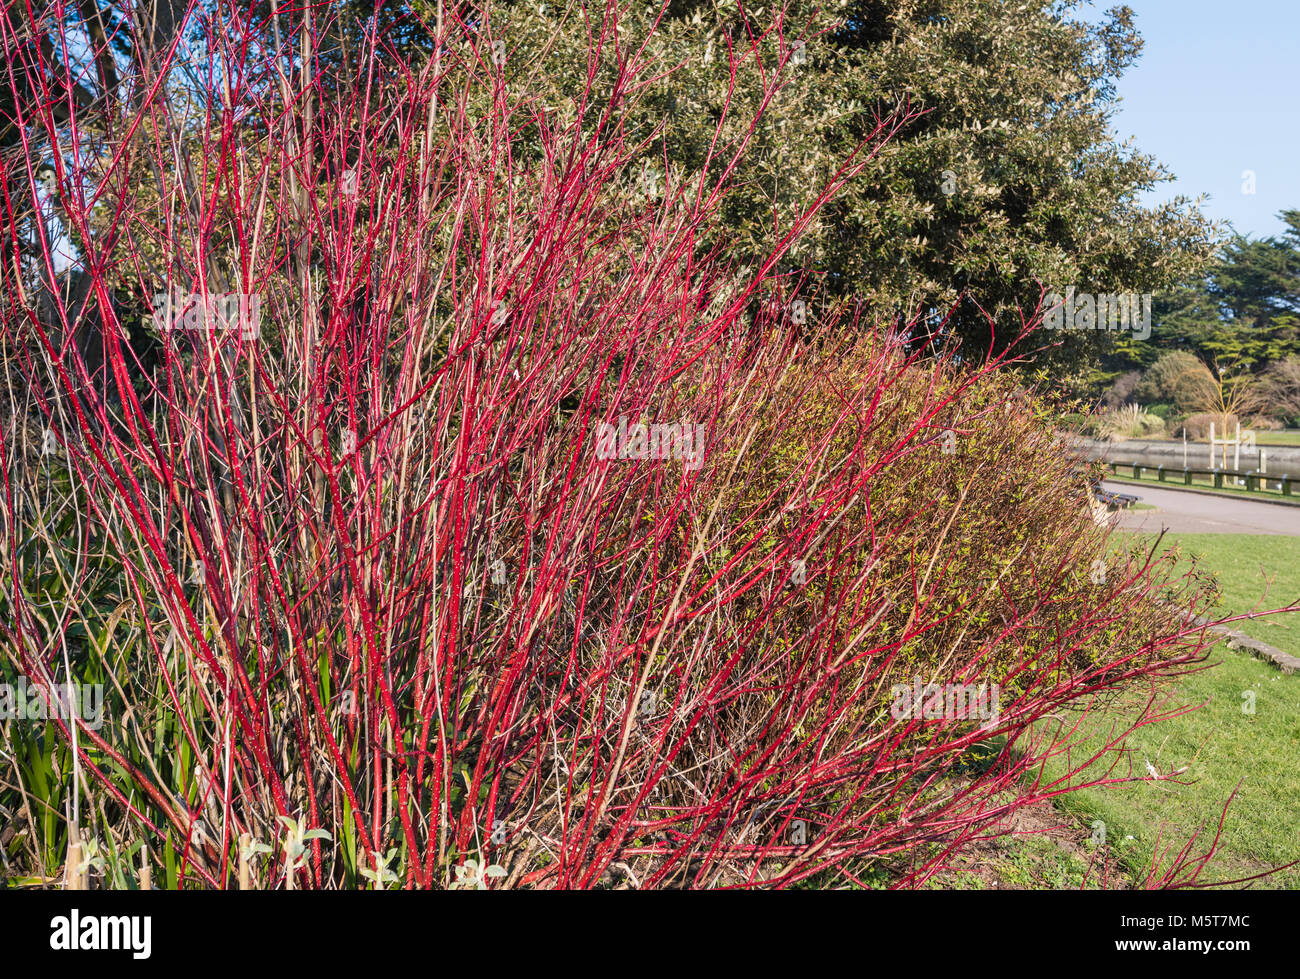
<point>1195,513</point>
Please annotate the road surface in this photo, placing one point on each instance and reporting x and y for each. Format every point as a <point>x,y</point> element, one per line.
<point>1196,513</point>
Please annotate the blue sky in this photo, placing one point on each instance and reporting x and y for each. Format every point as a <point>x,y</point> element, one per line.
<point>1213,94</point>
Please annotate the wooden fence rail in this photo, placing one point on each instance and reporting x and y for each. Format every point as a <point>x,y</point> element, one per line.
<point>1254,480</point>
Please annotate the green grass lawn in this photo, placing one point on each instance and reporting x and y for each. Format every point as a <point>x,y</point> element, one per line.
<point>1289,436</point>
<point>1220,744</point>
<point>1256,572</point>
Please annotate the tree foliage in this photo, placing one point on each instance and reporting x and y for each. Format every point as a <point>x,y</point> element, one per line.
<point>1009,182</point>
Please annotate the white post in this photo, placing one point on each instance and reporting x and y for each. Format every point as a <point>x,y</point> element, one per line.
<point>1211,445</point>
<point>1236,451</point>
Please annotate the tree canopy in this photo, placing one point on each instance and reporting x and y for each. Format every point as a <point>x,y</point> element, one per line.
<point>1004,180</point>
<point>1009,181</point>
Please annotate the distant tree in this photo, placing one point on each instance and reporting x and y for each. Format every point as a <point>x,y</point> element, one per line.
<point>1280,389</point>
<point>1246,308</point>
<point>1244,311</point>
<point>1256,285</point>
<point>1010,178</point>
<point>1122,390</point>
<point>1172,379</point>
<point>1224,390</point>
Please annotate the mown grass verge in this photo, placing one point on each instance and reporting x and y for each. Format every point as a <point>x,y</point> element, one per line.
<point>1245,736</point>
